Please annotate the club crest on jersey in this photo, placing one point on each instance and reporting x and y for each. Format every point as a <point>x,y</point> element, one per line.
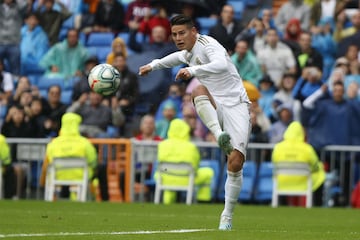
<point>198,61</point>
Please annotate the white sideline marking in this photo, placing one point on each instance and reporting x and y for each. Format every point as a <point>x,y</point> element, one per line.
<point>99,233</point>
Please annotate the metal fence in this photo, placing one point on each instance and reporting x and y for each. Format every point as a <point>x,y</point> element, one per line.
<point>344,160</point>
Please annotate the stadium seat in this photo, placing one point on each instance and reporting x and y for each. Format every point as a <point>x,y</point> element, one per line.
<point>175,169</point>
<point>206,23</point>
<point>96,39</point>
<point>44,82</point>
<point>124,36</point>
<point>66,96</point>
<point>215,165</point>
<point>293,169</point>
<point>263,189</point>
<point>102,52</point>
<point>249,178</point>
<point>238,8</point>
<point>62,164</point>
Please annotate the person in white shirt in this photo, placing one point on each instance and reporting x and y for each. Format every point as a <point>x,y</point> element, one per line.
<point>220,100</point>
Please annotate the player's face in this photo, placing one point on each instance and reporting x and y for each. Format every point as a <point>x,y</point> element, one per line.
<point>183,36</point>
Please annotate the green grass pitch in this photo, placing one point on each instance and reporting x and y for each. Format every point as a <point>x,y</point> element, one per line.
<point>70,220</point>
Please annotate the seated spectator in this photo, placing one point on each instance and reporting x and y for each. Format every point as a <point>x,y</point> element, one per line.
<point>285,61</point>
<point>69,143</point>
<point>11,19</point>
<point>136,11</point>
<point>294,149</point>
<point>309,82</point>
<point>285,117</point>
<point>267,91</point>
<point>266,16</point>
<point>179,148</point>
<point>51,20</point>
<point>284,94</point>
<point>34,43</point>
<point>293,9</point>
<point>307,56</point>
<point>82,85</point>
<point>109,17</point>
<point>174,95</point>
<point>322,9</point>
<point>16,125</point>
<point>342,32</point>
<point>118,47</point>
<point>65,59</point>
<point>254,34</point>
<point>198,130</point>
<point>159,44</point>
<point>147,129</point>
<point>157,16</point>
<point>169,113</point>
<point>53,109</point>
<point>37,117</point>
<point>226,29</point>
<point>127,95</point>
<point>246,63</point>
<point>292,30</point>
<point>7,85</point>
<point>258,134</point>
<point>323,42</point>
<point>90,107</point>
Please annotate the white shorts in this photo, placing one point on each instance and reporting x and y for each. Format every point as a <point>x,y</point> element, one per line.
<point>235,120</point>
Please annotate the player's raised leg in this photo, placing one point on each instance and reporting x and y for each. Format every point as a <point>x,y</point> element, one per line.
<point>206,109</point>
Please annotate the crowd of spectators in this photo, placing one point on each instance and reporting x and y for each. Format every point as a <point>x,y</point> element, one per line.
<point>301,63</point>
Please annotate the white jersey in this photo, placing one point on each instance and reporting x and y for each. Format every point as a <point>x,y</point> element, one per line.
<point>209,62</point>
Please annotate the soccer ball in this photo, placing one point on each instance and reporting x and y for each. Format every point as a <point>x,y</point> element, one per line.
<point>104,79</point>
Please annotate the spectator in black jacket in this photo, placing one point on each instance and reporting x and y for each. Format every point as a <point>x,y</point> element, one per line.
<point>109,17</point>
<point>226,29</point>
<point>127,95</point>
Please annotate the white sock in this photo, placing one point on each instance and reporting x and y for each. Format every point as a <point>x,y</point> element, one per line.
<point>232,190</point>
<point>207,114</point>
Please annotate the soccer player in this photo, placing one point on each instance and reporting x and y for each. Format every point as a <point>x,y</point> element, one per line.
<point>221,100</point>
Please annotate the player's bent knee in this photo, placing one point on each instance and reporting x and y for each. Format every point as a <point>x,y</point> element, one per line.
<point>235,161</point>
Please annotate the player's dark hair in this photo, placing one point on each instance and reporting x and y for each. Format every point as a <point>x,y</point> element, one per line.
<point>182,19</point>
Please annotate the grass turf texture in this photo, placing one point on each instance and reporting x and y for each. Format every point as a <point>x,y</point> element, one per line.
<point>98,220</point>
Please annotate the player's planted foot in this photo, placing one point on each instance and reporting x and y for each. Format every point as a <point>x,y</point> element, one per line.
<point>224,142</point>
<point>225,223</point>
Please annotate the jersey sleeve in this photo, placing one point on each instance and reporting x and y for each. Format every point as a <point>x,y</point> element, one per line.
<point>169,61</point>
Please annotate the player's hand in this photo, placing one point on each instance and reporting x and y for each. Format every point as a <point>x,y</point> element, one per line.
<point>183,74</point>
<point>144,70</point>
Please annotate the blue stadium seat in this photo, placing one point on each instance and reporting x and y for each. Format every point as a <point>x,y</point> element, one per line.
<point>249,179</point>
<point>45,82</point>
<point>66,96</point>
<point>215,165</point>
<point>70,82</point>
<point>206,23</point>
<point>100,52</point>
<point>263,190</point>
<point>251,3</point>
<point>124,36</point>
<point>238,6</point>
<point>96,39</point>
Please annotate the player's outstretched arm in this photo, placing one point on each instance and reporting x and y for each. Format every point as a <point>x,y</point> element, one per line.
<point>144,70</point>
